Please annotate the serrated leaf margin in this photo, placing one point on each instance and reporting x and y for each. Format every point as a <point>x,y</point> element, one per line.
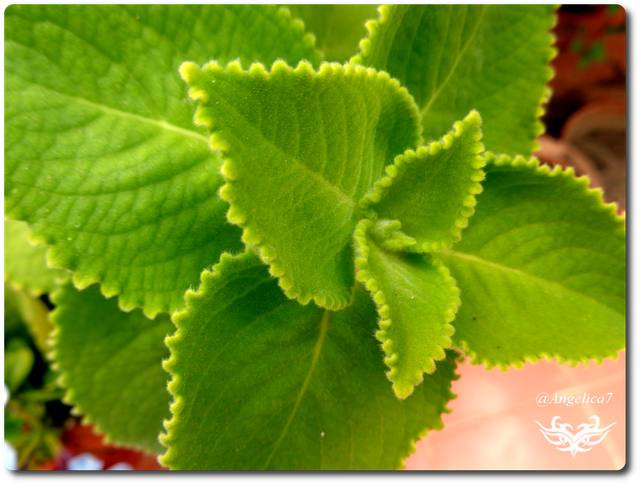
<point>384,13</point>
<point>174,385</point>
<point>395,170</point>
<point>596,194</point>
<point>235,215</point>
<point>384,312</point>
<point>86,418</point>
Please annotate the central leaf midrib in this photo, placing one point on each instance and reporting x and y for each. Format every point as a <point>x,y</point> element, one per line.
<point>324,325</point>
<point>506,269</point>
<point>125,114</point>
<point>143,119</point>
<point>459,56</point>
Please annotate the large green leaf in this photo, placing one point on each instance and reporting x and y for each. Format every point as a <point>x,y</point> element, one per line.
<point>261,382</point>
<point>541,269</point>
<point>101,155</point>
<point>455,58</point>
<point>301,148</point>
<point>111,363</point>
<point>416,300</point>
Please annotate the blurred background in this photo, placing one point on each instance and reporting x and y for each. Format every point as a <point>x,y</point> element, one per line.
<point>585,117</point>
<point>492,425</point>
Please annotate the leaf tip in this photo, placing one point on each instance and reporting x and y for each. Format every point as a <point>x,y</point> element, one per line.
<point>473,119</point>
<point>403,390</point>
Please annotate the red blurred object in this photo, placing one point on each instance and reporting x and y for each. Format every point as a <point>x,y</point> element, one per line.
<point>591,61</point>
<point>82,439</point>
<point>586,116</point>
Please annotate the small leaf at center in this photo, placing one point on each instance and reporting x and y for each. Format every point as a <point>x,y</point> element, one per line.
<point>301,148</point>
<point>432,190</point>
<point>416,300</point>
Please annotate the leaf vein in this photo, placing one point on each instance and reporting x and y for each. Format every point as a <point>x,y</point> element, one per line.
<point>507,270</point>
<point>437,92</point>
<point>324,325</point>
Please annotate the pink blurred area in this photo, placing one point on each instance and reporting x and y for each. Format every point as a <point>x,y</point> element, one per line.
<point>493,421</point>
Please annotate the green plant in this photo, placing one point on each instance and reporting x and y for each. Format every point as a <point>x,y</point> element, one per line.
<point>363,186</point>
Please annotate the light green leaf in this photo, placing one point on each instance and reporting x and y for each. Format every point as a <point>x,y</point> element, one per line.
<point>25,265</point>
<point>455,58</point>
<point>541,269</point>
<point>416,300</point>
<point>301,148</point>
<point>111,365</point>
<point>18,362</point>
<point>431,191</point>
<point>261,382</point>
<point>101,155</point>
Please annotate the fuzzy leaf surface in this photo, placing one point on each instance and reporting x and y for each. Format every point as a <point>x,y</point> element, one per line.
<point>301,148</point>
<point>111,365</point>
<point>455,58</point>
<point>541,269</point>
<point>261,382</point>
<point>416,299</point>
<point>101,155</point>
<point>431,191</point>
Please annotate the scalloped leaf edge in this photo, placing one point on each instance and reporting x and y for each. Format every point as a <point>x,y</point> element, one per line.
<point>372,26</point>
<point>385,11</point>
<point>596,195</point>
<point>235,215</point>
<point>86,418</point>
<point>558,171</point>
<point>227,261</point>
<point>421,155</point>
<point>308,38</point>
<point>57,258</point>
<point>364,275</point>
<point>475,358</point>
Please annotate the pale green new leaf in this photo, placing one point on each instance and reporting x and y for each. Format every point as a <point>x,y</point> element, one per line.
<point>301,148</point>
<point>101,155</point>
<point>25,265</point>
<point>416,299</point>
<point>111,365</point>
<point>455,58</point>
<point>541,269</point>
<point>261,382</point>
<point>432,191</point>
